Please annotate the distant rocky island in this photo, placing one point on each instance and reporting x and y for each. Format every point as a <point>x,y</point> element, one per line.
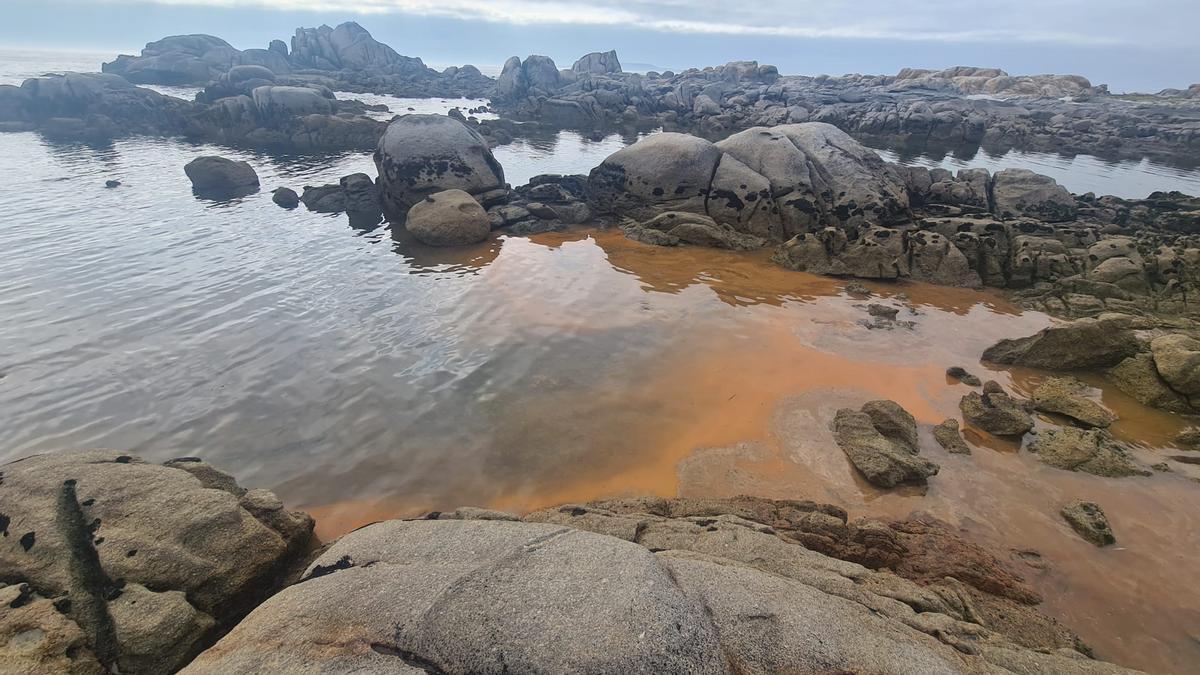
<point>226,580</point>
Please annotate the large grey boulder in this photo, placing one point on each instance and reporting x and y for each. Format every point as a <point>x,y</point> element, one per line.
<point>881,442</point>
<point>597,62</point>
<point>174,60</point>
<point>1083,343</point>
<point>1021,193</point>
<point>145,561</point>
<point>422,154</point>
<point>448,218</point>
<point>347,47</point>
<point>663,172</point>
<point>210,173</point>
<point>461,596</point>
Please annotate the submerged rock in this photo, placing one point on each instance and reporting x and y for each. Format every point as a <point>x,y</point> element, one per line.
<point>676,227</point>
<point>448,218</point>
<point>881,442</point>
<point>995,411</point>
<point>948,436</point>
<point>959,373</point>
<point>1066,396</point>
<point>218,174</point>
<point>285,197</point>
<point>144,561</point>
<point>1090,451</point>
<point>1087,518</point>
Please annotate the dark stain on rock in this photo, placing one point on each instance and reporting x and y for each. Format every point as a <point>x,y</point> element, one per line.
<point>576,511</point>
<point>89,585</point>
<point>410,659</point>
<point>123,459</point>
<point>344,563</point>
<point>27,540</point>
<point>4,521</point>
<point>24,597</point>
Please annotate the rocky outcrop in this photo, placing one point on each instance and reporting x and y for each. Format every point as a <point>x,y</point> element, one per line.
<point>448,218</point>
<point>948,435</point>
<point>118,564</point>
<point>212,174</point>
<point>768,183</point>
<point>88,106</point>
<point>881,442</point>
<point>356,195</point>
<point>716,586</point>
<point>190,59</point>
<point>419,155</point>
<point>1088,519</point>
<point>676,227</point>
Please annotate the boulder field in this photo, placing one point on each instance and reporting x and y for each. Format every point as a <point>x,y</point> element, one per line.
<point>112,564</point>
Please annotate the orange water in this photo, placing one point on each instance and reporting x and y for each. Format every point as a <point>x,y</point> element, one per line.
<point>735,396</point>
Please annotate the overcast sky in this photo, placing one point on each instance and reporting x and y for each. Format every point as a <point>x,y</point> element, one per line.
<point>1130,44</point>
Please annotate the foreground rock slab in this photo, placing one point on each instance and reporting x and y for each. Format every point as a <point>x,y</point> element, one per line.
<point>684,586</point>
<point>140,562</point>
<point>1084,343</point>
<point>448,218</point>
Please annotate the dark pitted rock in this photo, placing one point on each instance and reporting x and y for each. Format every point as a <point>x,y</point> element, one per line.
<point>959,373</point>
<point>1068,396</point>
<point>1177,359</point>
<point>1021,193</point>
<point>285,197</point>
<point>881,450</point>
<point>423,154</point>
<point>948,436</point>
<point>876,253</point>
<point>448,218</point>
<point>1080,344</point>
<point>1090,451</point>
<point>212,174</point>
<point>995,411</point>
<point>662,172</point>
<point>1138,377</point>
<point>355,194</point>
<point>1088,519</point>
<point>727,591</point>
<point>676,227</point>
<point>143,562</point>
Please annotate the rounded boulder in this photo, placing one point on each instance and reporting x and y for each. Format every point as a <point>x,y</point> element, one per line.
<point>213,173</point>
<point>448,218</point>
<point>419,155</point>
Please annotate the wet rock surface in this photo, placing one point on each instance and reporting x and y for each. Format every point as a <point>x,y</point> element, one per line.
<point>995,411</point>
<point>881,442</point>
<point>721,586</point>
<point>1068,397</point>
<point>119,564</point>
<point>1090,451</point>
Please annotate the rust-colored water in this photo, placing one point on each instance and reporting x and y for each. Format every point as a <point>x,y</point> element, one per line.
<point>720,376</point>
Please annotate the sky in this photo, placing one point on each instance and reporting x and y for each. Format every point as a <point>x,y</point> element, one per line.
<point>1140,45</point>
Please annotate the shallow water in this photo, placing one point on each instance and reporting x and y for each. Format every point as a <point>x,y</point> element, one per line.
<point>363,376</point>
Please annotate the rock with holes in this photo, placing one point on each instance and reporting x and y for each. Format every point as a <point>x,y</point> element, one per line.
<point>448,218</point>
<point>677,227</point>
<point>419,155</point>
<point>1088,519</point>
<point>147,561</point>
<point>1021,193</point>
<point>876,253</point>
<point>683,586</point>
<point>36,638</point>
<point>1177,359</point>
<point>659,173</point>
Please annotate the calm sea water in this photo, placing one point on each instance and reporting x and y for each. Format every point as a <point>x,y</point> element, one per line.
<point>364,376</point>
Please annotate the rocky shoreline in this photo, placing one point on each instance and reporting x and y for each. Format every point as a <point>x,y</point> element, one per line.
<point>951,108</point>
<point>110,563</point>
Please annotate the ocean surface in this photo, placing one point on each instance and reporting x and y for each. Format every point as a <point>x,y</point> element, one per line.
<point>362,375</point>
